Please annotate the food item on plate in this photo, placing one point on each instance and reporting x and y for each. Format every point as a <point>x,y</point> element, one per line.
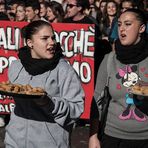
<point>21,89</point>
<point>144,89</point>
<point>140,88</point>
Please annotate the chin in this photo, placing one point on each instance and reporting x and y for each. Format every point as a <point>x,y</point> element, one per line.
<point>124,43</point>
<point>49,57</point>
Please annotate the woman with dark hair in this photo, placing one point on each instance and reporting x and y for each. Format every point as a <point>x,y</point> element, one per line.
<point>21,12</point>
<point>127,120</point>
<point>110,13</point>
<point>45,121</point>
<point>55,12</point>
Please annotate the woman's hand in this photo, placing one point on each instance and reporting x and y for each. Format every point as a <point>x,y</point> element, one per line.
<point>94,142</point>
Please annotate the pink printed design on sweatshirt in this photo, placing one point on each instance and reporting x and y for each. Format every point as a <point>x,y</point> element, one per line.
<point>142,69</point>
<point>129,78</point>
<point>133,114</point>
<point>127,113</point>
<point>118,86</point>
<point>146,75</point>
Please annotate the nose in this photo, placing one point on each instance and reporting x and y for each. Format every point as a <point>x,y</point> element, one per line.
<point>121,27</point>
<point>51,41</point>
<point>26,13</point>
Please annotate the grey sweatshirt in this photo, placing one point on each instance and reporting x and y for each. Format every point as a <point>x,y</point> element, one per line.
<point>124,120</point>
<point>64,89</point>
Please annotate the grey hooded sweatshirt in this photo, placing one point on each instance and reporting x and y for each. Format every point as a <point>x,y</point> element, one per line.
<point>64,89</point>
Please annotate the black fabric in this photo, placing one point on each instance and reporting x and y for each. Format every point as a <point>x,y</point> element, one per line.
<point>104,103</point>
<point>38,66</point>
<point>132,54</point>
<point>141,103</point>
<point>34,109</point>
<point>85,20</point>
<point>94,118</point>
<point>112,142</point>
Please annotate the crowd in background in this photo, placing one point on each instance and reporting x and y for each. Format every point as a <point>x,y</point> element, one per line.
<point>103,13</point>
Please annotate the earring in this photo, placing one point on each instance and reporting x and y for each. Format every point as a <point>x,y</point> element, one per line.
<point>31,47</point>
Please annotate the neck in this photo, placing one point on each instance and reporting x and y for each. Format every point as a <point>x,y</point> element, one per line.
<point>78,17</point>
<point>54,20</point>
<point>111,19</point>
<point>35,18</point>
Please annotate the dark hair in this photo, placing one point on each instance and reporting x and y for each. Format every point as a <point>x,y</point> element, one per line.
<point>57,10</point>
<point>33,3</point>
<point>14,2</point>
<point>22,4</point>
<point>2,3</point>
<point>132,2</point>
<point>11,14</point>
<point>106,20</point>
<point>140,15</point>
<point>32,28</point>
<point>45,3</point>
<point>4,16</point>
<point>83,3</point>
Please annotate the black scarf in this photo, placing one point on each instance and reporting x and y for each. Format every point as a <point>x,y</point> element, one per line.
<point>38,66</point>
<point>132,54</point>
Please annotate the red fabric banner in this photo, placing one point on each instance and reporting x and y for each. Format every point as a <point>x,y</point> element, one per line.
<point>77,41</point>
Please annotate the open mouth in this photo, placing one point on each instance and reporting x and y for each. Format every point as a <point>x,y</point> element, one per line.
<point>122,36</point>
<point>51,50</point>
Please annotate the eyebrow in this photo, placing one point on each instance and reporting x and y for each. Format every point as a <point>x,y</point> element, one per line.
<point>46,36</point>
<point>126,21</point>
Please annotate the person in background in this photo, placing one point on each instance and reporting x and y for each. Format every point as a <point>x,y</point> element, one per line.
<point>126,125</point>
<point>32,10</point>
<point>92,9</point>
<point>64,4</point>
<point>4,16</point>
<point>2,7</point>
<point>118,1</point>
<point>126,4</point>
<point>145,3</point>
<point>110,11</point>
<point>20,12</point>
<point>46,121</point>
<point>8,9</point>
<point>101,11</point>
<point>43,10</point>
<point>41,1</point>
<point>55,12</point>
<point>97,3</point>
<point>2,1</point>
<point>75,12</point>
<point>11,9</point>
<point>12,16</point>
<point>13,5</point>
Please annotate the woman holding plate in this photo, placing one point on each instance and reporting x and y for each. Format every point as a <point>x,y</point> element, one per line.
<point>46,121</point>
<point>126,125</point>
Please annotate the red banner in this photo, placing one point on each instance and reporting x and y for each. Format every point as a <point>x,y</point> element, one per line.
<point>77,42</point>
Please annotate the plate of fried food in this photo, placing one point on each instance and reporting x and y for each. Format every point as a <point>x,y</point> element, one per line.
<point>140,96</point>
<point>22,91</point>
<point>140,89</point>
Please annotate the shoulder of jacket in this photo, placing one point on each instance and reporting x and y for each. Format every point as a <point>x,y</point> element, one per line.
<point>64,65</point>
<point>16,63</point>
<point>109,55</point>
